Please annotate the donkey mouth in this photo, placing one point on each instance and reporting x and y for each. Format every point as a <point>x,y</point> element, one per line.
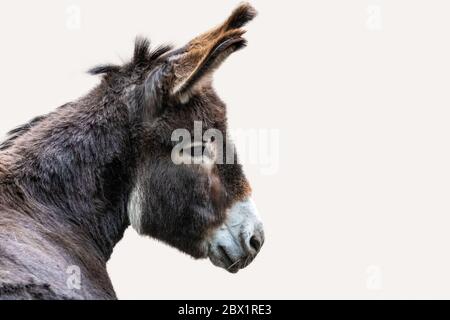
<point>232,266</point>
<point>223,259</point>
<point>231,258</point>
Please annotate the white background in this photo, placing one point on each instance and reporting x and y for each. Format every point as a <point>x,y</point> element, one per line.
<point>359,93</point>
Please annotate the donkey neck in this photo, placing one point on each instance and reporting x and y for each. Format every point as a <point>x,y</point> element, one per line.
<point>75,167</point>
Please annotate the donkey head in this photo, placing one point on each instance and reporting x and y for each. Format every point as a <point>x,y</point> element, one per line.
<point>190,191</point>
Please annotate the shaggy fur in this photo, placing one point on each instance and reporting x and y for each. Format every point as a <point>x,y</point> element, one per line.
<point>66,177</point>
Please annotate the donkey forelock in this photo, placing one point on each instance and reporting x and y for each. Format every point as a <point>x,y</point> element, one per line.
<point>143,60</point>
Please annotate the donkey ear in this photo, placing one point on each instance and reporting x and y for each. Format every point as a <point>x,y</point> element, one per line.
<point>204,54</point>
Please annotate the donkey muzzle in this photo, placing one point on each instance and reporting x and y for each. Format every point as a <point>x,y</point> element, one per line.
<point>236,243</point>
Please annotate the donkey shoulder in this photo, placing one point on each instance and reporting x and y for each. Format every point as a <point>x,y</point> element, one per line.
<point>18,280</point>
<point>39,264</point>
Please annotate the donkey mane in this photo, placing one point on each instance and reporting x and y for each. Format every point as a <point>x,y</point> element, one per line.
<point>17,132</point>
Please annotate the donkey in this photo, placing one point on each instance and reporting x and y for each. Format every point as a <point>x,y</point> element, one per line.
<point>73,180</point>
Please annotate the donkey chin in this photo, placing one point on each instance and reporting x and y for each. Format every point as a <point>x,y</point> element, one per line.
<point>238,241</point>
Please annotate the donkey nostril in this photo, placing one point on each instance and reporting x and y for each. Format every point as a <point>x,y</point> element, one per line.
<point>255,243</point>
